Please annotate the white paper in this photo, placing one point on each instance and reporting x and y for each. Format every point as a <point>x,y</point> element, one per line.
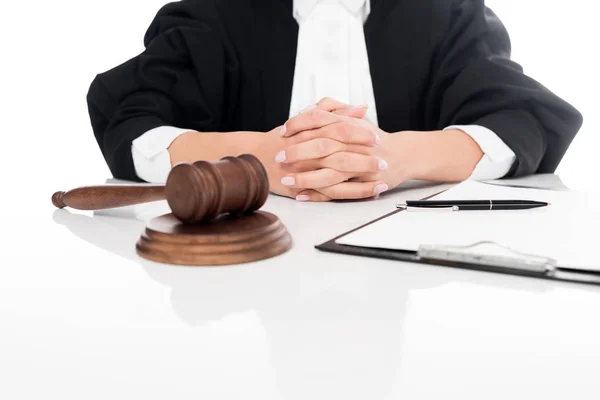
<point>567,231</point>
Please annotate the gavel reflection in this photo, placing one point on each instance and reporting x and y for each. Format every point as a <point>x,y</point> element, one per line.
<point>196,193</point>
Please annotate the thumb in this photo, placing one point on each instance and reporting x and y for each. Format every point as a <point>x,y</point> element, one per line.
<point>353,112</point>
<point>312,196</point>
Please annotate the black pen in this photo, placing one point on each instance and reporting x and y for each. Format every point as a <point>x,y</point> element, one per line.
<point>470,205</point>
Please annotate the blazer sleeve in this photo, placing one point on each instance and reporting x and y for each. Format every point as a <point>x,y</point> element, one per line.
<point>186,76</point>
<point>474,82</point>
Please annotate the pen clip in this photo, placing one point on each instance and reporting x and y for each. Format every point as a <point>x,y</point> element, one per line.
<point>405,207</point>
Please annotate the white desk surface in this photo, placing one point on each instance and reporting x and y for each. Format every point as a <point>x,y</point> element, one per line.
<point>83,317</point>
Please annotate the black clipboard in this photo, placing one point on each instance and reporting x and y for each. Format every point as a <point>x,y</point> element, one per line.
<point>561,273</point>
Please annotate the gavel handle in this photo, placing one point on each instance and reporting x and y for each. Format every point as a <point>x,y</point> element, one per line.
<point>107,196</point>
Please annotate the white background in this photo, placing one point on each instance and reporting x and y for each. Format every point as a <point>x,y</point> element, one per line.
<point>81,317</point>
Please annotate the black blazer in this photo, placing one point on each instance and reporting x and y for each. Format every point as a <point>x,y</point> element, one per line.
<point>228,65</point>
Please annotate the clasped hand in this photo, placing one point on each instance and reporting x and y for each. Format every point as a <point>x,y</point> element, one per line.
<point>329,152</point>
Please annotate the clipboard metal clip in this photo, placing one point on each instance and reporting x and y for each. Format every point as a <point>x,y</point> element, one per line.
<point>465,255</point>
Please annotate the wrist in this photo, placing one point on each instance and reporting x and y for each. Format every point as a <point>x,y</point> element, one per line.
<point>405,160</point>
<point>193,146</point>
<point>441,156</point>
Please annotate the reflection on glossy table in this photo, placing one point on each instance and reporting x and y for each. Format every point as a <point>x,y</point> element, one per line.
<point>83,317</point>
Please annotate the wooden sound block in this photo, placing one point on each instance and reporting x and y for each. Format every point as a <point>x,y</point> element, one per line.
<point>225,241</point>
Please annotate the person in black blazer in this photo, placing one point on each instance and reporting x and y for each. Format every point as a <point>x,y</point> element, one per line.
<point>223,73</point>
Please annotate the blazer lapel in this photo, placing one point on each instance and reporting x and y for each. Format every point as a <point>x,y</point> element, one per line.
<point>277,42</point>
<point>388,57</point>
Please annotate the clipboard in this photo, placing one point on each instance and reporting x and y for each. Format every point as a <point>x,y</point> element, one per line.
<point>520,264</point>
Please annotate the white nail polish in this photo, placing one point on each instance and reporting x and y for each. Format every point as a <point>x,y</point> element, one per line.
<point>280,157</point>
<point>283,130</point>
<point>377,138</point>
<point>288,181</point>
<point>380,189</point>
<point>302,197</point>
<point>383,165</point>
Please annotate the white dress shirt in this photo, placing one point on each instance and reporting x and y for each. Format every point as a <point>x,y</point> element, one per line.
<point>331,61</point>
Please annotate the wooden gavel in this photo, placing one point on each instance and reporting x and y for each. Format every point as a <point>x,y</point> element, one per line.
<point>196,193</point>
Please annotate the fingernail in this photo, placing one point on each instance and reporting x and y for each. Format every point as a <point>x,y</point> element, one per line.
<point>288,181</point>
<point>308,108</point>
<point>280,157</point>
<point>383,165</point>
<point>359,107</point>
<point>377,138</point>
<point>283,130</point>
<point>303,197</point>
<point>380,189</point>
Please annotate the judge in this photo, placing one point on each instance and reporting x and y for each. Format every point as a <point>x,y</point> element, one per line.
<point>339,99</point>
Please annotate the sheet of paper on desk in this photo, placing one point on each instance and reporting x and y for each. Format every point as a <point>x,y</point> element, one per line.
<point>566,231</point>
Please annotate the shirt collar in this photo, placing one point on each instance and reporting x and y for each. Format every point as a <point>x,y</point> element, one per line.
<point>303,8</point>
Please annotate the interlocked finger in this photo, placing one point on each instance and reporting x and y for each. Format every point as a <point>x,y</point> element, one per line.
<point>320,178</point>
<point>343,131</point>
<point>353,162</point>
<point>312,119</point>
<point>354,190</point>
<point>310,150</point>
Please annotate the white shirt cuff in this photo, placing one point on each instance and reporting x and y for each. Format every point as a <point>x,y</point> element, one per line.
<point>151,157</point>
<point>497,159</point>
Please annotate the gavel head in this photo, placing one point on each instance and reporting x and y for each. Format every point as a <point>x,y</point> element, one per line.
<point>202,191</point>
